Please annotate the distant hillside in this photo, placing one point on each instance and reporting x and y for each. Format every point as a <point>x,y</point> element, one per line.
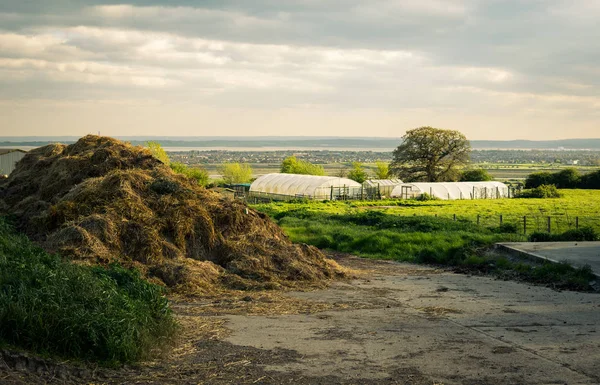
<point>309,142</point>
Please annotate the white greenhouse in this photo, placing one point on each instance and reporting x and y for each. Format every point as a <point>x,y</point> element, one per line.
<point>289,186</point>
<point>383,186</point>
<point>453,190</point>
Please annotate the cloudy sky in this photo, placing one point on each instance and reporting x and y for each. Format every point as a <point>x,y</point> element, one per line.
<point>493,69</point>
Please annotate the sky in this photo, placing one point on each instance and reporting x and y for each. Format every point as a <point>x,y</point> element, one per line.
<point>492,69</point>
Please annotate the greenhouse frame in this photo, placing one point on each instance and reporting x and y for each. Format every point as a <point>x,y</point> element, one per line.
<point>453,190</point>
<point>384,186</point>
<point>293,186</point>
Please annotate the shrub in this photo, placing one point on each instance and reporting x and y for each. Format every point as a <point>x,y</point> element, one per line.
<point>51,306</point>
<point>537,179</point>
<point>591,180</point>
<point>478,175</point>
<point>543,191</point>
<point>199,174</point>
<point>426,197</point>
<point>567,178</point>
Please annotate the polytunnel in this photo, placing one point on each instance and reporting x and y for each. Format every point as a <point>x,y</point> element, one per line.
<point>383,186</point>
<point>452,190</point>
<point>286,186</point>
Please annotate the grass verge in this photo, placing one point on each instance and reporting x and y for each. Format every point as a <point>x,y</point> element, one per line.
<point>54,307</point>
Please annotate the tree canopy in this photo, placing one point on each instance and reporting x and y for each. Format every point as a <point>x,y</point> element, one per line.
<point>236,172</point>
<point>429,154</point>
<point>292,165</point>
<point>357,174</point>
<point>382,170</point>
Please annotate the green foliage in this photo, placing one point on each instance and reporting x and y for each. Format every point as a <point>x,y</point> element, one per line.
<point>537,179</point>
<point>426,197</point>
<point>158,152</point>
<point>567,178</point>
<point>591,180</point>
<point>357,174</point>
<point>292,165</point>
<point>199,174</point>
<point>581,234</point>
<point>477,175</point>
<point>431,155</point>
<point>236,172</point>
<point>382,170</point>
<point>50,306</point>
<point>543,191</point>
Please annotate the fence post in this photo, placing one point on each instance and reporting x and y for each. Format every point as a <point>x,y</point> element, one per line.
<point>331,194</point>
<point>577,223</point>
<point>549,225</point>
<point>525,225</point>
<point>454,218</point>
<point>478,217</point>
<point>500,219</point>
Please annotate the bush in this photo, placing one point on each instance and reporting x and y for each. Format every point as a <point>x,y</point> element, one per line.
<point>591,180</point>
<point>537,179</point>
<point>478,175</point>
<point>426,197</point>
<point>567,178</point>
<point>575,235</point>
<point>51,306</point>
<point>199,174</point>
<point>543,191</point>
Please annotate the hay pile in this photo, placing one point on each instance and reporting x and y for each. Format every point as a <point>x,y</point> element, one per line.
<point>101,201</point>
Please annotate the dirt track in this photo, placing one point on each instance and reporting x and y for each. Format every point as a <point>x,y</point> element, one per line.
<point>398,323</point>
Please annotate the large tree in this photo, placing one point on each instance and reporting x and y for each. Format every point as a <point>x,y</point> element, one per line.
<point>429,154</point>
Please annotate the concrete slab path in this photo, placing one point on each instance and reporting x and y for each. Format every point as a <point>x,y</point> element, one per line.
<point>577,253</point>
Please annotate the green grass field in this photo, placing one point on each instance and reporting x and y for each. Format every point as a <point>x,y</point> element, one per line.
<point>440,232</point>
<point>575,205</point>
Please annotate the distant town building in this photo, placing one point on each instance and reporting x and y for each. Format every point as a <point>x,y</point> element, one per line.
<point>9,158</point>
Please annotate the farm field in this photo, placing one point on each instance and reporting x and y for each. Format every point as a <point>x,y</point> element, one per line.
<point>442,232</point>
<point>575,205</point>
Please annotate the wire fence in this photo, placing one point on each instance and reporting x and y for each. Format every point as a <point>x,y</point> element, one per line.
<point>527,224</point>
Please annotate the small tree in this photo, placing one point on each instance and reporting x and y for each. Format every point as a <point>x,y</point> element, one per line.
<point>357,173</point>
<point>431,155</point>
<point>537,179</point>
<point>291,165</point>
<point>197,173</point>
<point>478,175</point>
<point>236,172</point>
<point>158,152</point>
<point>382,170</point>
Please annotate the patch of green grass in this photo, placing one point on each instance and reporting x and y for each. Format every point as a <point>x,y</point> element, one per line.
<point>383,233</point>
<point>50,306</point>
<point>380,235</point>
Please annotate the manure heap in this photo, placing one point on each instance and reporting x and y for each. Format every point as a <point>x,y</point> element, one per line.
<point>101,201</point>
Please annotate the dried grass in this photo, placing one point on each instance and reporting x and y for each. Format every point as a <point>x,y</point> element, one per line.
<point>101,200</point>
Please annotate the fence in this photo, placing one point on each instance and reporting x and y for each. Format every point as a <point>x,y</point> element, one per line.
<point>527,224</point>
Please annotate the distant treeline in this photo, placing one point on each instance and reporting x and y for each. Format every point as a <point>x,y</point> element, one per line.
<point>316,142</point>
<point>567,178</point>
